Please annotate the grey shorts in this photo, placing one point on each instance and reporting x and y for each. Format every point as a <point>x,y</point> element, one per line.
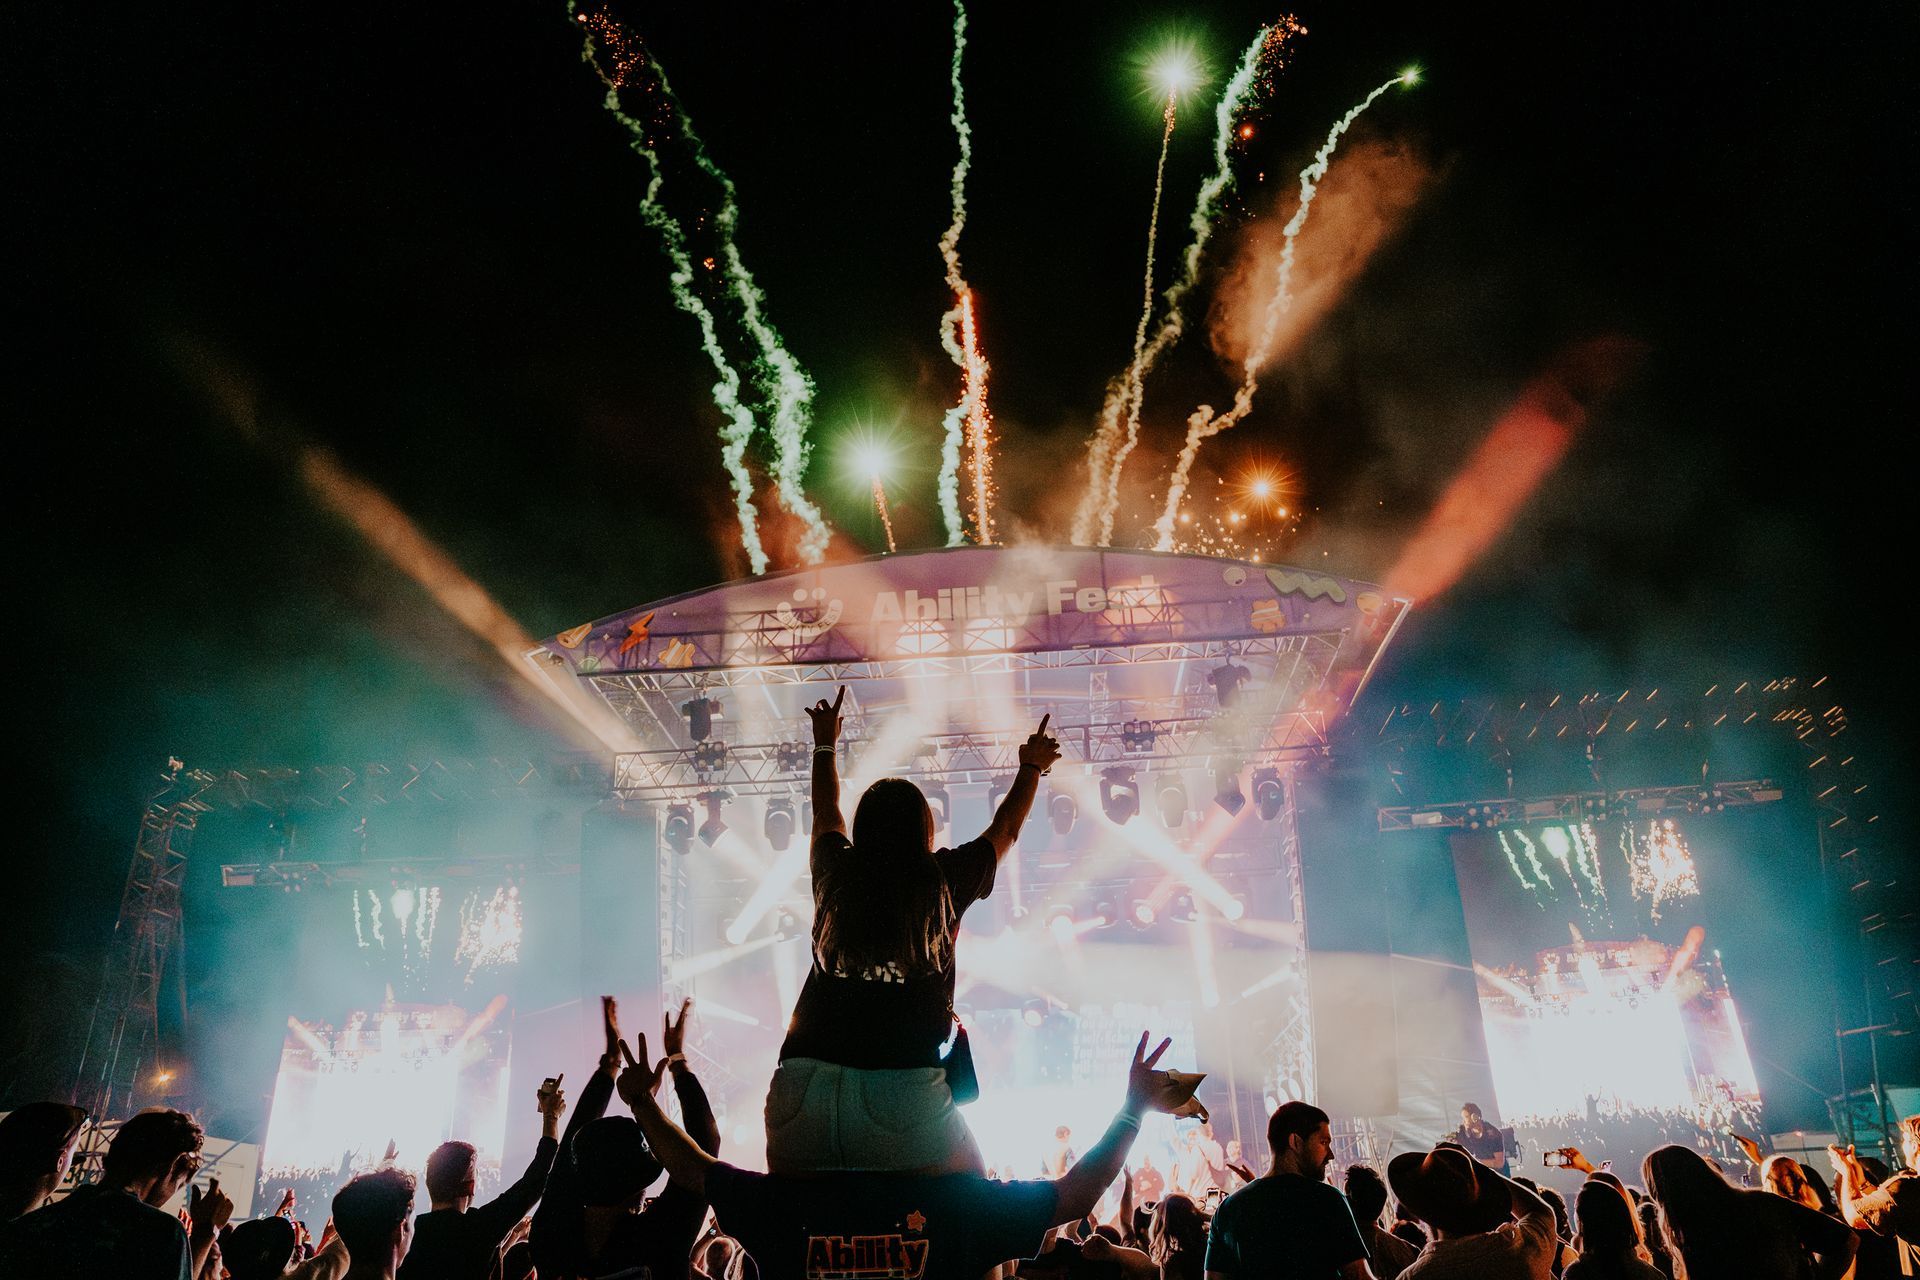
<point>823,1117</point>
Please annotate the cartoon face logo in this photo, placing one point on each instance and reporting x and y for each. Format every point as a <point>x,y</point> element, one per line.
<point>1370,602</point>
<point>1234,574</point>
<point>826,615</point>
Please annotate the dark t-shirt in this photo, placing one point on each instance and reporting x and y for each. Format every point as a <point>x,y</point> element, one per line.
<point>450,1245</point>
<point>864,1226</point>
<point>1284,1226</point>
<point>881,1022</point>
<point>1762,1236</point>
<point>95,1234</point>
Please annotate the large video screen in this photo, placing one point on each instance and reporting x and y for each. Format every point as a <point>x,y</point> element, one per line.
<point>1606,1011</point>
<point>410,1075</point>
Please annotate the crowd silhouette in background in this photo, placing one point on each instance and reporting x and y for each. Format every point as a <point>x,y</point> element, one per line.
<point>874,1175</point>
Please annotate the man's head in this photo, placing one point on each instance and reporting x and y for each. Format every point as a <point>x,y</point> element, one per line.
<point>1366,1194</point>
<point>1233,1149</point>
<point>1910,1142</point>
<point>1470,1117</point>
<point>373,1215</point>
<point>614,1163</point>
<point>156,1149</point>
<point>451,1173</point>
<point>1301,1137</point>
<point>1062,1133</point>
<point>259,1249</point>
<point>36,1147</point>
<point>1449,1190</point>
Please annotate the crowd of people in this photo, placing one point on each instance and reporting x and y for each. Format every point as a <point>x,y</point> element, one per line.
<point>873,1173</point>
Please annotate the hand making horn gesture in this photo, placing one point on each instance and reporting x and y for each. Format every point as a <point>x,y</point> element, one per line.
<point>1039,750</point>
<point>826,719</point>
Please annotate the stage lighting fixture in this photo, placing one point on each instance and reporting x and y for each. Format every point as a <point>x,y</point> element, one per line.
<point>1140,914</point>
<point>1227,793</point>
<point>779,824</point>
<point>786,924</point>
<point>708,756</point>
<point>791,757</point>
<point>1173,802</point>
<point>714,827</point>
<point>1060,922</point>
<point>1226,680</point>
<point>1183,909</point>
<point>1119,794</point>
<point>1269,796</point>
<point>700,714</point>
<point>940,803</point>
<point>1139,735</point>
<point>677,830</point>
<point>1105,915</point>
<point>1033,1012</point>
<point>1062,810</point>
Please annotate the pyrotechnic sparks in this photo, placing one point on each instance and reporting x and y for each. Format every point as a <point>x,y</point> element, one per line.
<point>1660,865</point>
<point>966,421</point>
<point>490,931</point>
<point>1204,424</point>
<point>777,377</point>
<point>1120,415</point>
<point>872,460</point>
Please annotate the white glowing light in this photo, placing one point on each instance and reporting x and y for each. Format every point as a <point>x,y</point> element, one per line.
<point>1661,866</point>
<point>490,932</point>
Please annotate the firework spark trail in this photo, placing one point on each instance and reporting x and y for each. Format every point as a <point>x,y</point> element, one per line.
<point>1120,415</point>
<point>739,422</point>
<point>1204,424</point>
<point>1109,493</point>
<point>965,355</point>
<point>886,516</point>
<point>979,426</point>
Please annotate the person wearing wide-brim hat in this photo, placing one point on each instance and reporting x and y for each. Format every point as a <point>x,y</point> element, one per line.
<point>1484,1224</point>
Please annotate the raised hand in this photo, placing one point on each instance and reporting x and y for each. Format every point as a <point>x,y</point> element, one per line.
<point>1240,1171</point>
<point>826,719</point>
<point>208,1211</point>
<point>1039,750</point>
<point>638,1081</point>
<point>393,1153</point>
<point>673,1035</point>
<point>1169,1091</point>
<point>610,1029</point>
<point>286,1204</point>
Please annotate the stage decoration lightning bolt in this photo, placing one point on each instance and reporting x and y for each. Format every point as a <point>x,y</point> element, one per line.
<point>1204,424</point>
<point>1264,58</point>
<point>967,422</point>
<point>777,378</point>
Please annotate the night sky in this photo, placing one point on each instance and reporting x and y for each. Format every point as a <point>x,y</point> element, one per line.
<point>412,231</point>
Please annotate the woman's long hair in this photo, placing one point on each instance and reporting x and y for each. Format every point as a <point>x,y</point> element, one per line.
<point>1609,1232</point>
<point>1699,1209</point>
<point>889,913</point>
<point>1177,1241</point>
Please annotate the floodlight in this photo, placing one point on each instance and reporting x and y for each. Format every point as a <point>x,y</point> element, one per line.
<point>779,824</point>
<point>1119,794</point>
<point>677,830</point>
<point>1269,795</point>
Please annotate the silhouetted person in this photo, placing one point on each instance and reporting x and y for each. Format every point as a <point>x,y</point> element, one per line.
<point>36,1149</point>
<point>1290,1222</point>
<point>1718,1231</point>
<point>373,1215</point>
<point>456,1241</point>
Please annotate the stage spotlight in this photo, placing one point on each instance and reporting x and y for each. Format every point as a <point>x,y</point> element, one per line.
<point>1227,793</point>
<point>1183,909</point>
<point>1119,794</point>
<point>1062,809</point>
<point>1033,1012</point>
<point>677,830</point>
<point>779,824</point>
<point>786,925</point>
<point>1104,915</point>
<point>1060,923</point>
<point>1269,795</point>
<point>714,827</point>
<point>700,714</point>
<point>1139,735</point>
<point>1140,914</point>
<point>791,757</point>
<point>1226,680</point>
<point>1173,802</point>
<point>939,802</point>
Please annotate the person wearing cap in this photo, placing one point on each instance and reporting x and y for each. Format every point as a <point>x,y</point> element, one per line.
<point>36,1149</point>
<point>1290,1223</point>
<point>1485,1226</point>
<point>259,1249</point>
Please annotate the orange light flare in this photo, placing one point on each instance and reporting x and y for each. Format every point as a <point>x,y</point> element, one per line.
<point>886,516</point>
<point>979,424</point>
<point>1523,447</point>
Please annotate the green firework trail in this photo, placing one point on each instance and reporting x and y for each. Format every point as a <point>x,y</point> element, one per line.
<point>953,425</point>
<point>1120,414</point>
<point>1204,423</point>
<point>779,383</point>
<point>739,421</point>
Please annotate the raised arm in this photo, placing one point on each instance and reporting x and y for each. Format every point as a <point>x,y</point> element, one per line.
<point>682,1157</point>
<point>826,768</point>
<point>498,1216</point>
<point>1037,755</point>
<point>556,1221</point>
<point>1079,1189</point>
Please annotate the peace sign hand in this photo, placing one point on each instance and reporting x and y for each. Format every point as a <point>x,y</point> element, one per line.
<point>673,1035</point>
<point>826,719</point>
<point>1169,1091</point>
